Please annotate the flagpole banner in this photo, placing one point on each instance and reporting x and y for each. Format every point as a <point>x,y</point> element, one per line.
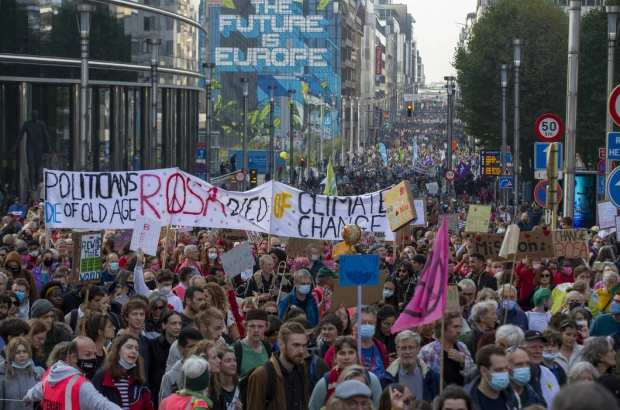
<point>113,200</point>
<point>429,300</point>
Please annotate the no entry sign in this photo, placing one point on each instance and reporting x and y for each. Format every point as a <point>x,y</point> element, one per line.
<point>614,105</point>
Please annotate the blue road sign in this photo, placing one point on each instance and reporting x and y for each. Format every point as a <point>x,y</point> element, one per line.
<point>201,153</point>
<point>508,157</point>
<point>540,155</point>
<point>601,185</point>
<point>613,187</point>
<point>506,182</point>
<point>613,140</point>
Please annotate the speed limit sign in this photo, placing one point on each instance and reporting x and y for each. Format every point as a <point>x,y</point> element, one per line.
<point>240,176</point>
<point>449,175</point>
<point>549,128</point>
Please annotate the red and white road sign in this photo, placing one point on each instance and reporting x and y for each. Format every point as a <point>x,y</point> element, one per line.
<point>239,176</point>
<point>601,167</point>
<point>549,128</point>
<point>601,153</point>
<point>613,105</point>
<point>449,175</point>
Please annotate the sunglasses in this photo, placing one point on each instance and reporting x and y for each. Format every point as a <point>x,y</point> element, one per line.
<point>15,303</point>
<point>159,307</point>
<point>545,276</point>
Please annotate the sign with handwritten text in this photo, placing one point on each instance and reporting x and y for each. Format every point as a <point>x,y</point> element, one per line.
<point>535,244</point>
<point>399,206</point>
<point>478,217</point>
<point>606,213</point>
<point>237,260</point>
<point>297,247</point>
<point>86,265</point>
<point>571,243</point>
<point>145,235</point>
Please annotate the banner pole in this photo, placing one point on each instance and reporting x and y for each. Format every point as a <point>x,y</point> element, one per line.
<point>441,361</point>
<point>512,276</point>
<point>359,324</point>
<point>84,318</point>
<point>164,261</point>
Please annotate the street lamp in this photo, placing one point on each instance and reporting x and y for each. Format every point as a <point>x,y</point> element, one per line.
<point>331,113</point>
<point>450,91</point>
<point>245,82</point>
<point>320,166</point>
<point>291,102</point>
<point>272,104</point>
<point>516,43</point>
<point>208,69</point>
<point>154,43</point>
<point>84,13</point>
<point>504,80</point>
<point>612,20</point>
<point>344,115</point>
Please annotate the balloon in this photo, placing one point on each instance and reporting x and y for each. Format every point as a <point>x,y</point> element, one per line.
<point>283,155</point>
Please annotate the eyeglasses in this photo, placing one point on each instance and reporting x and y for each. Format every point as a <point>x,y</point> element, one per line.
<point>272,313</point>
<point>513,348</point>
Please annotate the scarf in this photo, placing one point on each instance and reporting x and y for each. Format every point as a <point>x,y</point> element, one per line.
<point>334,374</point>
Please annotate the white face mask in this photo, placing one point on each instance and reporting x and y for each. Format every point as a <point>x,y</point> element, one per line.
<point>165,290</point>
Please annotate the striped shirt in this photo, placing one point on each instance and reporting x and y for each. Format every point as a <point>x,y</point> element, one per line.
<point>123,388</point>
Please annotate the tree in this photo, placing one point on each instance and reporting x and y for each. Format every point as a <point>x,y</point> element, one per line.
<point>543,26</point>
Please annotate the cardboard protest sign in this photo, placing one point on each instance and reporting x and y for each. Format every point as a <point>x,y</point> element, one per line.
<point>370,238</point>
<point>86,266</point>
<point>237,260</point>
<point>359,270</point>
<point>254,237</point>
<point>452,301</point>
<point>535,244</point>
<point>399,205</point>
<point>453,222</point>
<point>571,243</point>
<point>606,214</point>
<point>297,247</point>
<point>146,235</point>
<point>478,217</point>
<point>420,210</point>
<point>119,236</point>
<point>233,235</point>
<point>347,295</point>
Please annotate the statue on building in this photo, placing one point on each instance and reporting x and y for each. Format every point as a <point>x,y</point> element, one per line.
<point>37,138</point>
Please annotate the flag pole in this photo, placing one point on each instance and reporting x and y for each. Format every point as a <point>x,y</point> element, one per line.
<point>512,276</point>
<point>443,324</point>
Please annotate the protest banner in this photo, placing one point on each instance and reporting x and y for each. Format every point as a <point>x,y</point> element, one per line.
<point>478,217</point>
<point>606,214</point>
<point>254,237</point>
<point>534,244</point>
<point>233,235</point>
<point>297,247</point>
<point>453,223</point>
<point>571,243</point>
<point>452,300</point>
<point>237,260</point>
<point>399,206</point>
<point>420,210</point>
<point>145,235</point>
<point>86,266</point>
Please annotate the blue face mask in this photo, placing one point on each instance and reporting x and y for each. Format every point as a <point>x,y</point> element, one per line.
<point>521,376</point>
<point>387,293</point>
<point>615,308</point>
<point>314,257</point>
<point>21,366</point>
<point>126,365</point>
<point>499,381</point>
<point>368,331</point>
<point>113,266</point>
<point>511,304</point>
<point>64,289</point>
<point>551,356</point>
<point>20,296</point>
<point>303,289</point>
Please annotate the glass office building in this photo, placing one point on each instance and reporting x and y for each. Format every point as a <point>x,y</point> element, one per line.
<point>40,70</point>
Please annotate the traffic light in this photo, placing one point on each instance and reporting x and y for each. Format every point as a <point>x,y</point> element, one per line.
<point>253,178</point>
<point>409,110</point>
<point>303,162</point>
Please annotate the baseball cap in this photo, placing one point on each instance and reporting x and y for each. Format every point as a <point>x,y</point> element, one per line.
<point>533,335</point>
<point>352,388</point>
<point>326,273</point>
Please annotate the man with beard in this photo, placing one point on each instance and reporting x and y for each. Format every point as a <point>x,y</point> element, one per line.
<point>409,370</point>
<point>285,370</point>
<point>194,297</point>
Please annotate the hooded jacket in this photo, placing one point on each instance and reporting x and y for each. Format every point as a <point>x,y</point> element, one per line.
<point>170,381</point>
<point>430,379</point>
<point>23,273</point>
<point>16,387</point>
<point>508,394</point>
<point>90,398</point>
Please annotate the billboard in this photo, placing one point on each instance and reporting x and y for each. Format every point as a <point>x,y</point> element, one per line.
<point>292,45</point>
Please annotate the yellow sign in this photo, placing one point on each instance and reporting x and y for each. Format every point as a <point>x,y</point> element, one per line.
<point>280,204</point>
<point>399,206</point>
<point>478,217</point>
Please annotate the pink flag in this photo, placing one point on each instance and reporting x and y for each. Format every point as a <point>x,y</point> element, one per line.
<point>429,300</point>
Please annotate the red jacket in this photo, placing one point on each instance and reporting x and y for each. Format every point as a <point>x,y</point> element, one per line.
<point>525,284</point>
<point>139,395</point>
<point>329,355</point>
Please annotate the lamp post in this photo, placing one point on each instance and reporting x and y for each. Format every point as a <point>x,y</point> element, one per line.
<point>309,139</point>
<point>208,69</point>
<point>331,113</point>
<point>516,43</point>
<point>154,43</point>
<point>450,91</point>
<point>272,104</point>
<point>344,115</point>
<point>359,138</point>
<point>291,102</point>
<point>84,13</point>
<point>320,167</point>
<point>612,19</point>
<point>504,80</point>
<point>245,82</point>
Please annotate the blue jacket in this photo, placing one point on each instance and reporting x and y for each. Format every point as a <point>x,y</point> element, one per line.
<point>312,310</point>
<point>515,317</point>
<point>431,379</point>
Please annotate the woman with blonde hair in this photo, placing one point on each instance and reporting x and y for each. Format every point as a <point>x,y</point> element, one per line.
<point>207,350</point>
<point>18,374</point>
<point>217,298</point>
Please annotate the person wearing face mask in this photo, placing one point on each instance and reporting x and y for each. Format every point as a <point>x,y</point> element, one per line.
<point>538,318</point>
<point>13,263</point>
<point>520,375</point>
<point>121,379</point>
<point>164,280</point>
<point>55,388</point>
<point>508,296</point>
<point>300,297</point>
<point>605,325</point>
<point>111,268</point>
<point>491,390</point>
<point>526,272</point>
<point>18,374</point>
<point>43,272</point>
<point>564,273</point>
<point>551,351</point>
<point>325,280</point>
<point>314,258</point>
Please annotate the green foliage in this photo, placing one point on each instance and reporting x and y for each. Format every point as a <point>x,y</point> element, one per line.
<point>543,26</point>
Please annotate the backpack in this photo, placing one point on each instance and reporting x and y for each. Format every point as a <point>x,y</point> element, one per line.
<point>239,354</point>
<point>312,373</point>
<point>271,384</point>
